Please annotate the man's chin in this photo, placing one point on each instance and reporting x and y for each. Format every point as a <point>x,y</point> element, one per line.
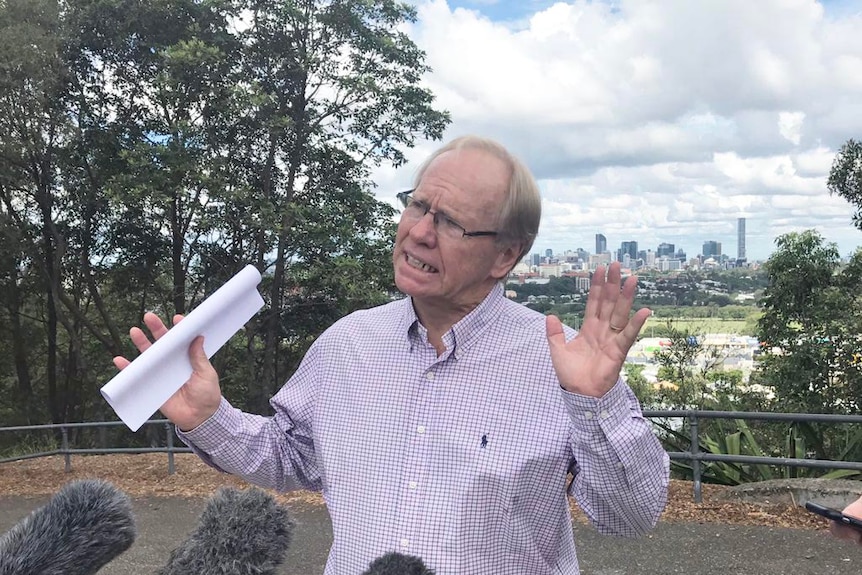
<point>411,286</point>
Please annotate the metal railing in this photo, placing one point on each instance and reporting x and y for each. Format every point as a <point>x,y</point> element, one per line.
<point>66,450</point>
<point>694,454</point>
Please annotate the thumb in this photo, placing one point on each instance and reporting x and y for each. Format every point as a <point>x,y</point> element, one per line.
<point>198,357</point>
<point>554,329</point>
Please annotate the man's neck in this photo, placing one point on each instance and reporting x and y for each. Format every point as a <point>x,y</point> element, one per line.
<point>438,317</point>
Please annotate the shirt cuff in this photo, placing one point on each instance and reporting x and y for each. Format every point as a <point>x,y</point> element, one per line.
<point>215,431</point>
<point>591,414</point>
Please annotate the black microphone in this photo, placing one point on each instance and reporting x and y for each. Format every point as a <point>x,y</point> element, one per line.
<point>397,564</point>
<point>240,532</point>
<point>82,527</point>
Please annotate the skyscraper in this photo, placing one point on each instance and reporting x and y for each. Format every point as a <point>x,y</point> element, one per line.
<point>630,248</point>
<point>740,239</point>
<point>665,249</point>
<point>601,244</point>
<point>711,249</point>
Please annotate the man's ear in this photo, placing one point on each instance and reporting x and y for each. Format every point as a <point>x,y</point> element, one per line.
<point>507,257</point>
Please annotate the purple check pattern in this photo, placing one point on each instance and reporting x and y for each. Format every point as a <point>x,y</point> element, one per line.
<point>461,459</point>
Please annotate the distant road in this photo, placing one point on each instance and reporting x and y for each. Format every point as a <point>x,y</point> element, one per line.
<point>673,548</point>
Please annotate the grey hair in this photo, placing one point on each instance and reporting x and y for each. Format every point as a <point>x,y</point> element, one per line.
<point>522,209</point>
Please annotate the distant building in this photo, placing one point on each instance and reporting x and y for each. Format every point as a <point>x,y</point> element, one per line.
<point>667,264</point>
<point>601,244</point>
<point>711,249</point>
<point>582,283</point>
<point>665,249</point>
<point>629,248</point>
<point>740,239</point>
<point>650,258</point>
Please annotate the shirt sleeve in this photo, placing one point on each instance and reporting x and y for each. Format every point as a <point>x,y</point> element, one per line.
<point>273,452</point>
<point>621,470</point>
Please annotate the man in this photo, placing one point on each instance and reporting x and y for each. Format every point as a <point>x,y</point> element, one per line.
<point>444,425</point>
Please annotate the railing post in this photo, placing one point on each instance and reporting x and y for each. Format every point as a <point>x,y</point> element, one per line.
<point>695,462</point>
<point>65,446</point>
<point>170,442</point>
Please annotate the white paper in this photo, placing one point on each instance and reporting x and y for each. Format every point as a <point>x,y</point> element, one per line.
<point>140,389</point>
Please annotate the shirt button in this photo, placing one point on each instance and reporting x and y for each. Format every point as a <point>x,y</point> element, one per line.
<point>588,415</point>
<point>405,544</point>
<point>420,430</point>
<point>429,376</point>
<point>413,485</point>
<point>605,414</point>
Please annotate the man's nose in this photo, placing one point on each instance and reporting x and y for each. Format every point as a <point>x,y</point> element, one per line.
<point>426,227</point>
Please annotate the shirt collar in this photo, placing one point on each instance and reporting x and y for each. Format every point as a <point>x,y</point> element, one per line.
<point>466,331</point>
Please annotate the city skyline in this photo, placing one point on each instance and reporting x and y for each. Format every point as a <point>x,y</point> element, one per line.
<point>730,243</point>
<point>657,122</point>
<point>602,245</point>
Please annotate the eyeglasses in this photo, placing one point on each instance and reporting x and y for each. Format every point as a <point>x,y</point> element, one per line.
<point>415,210</point>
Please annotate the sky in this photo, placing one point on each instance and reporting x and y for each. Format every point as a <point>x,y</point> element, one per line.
<point>655,120</point>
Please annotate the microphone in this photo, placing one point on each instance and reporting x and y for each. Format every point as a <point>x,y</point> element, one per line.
<point>240,532</point>
<point>397,564</point>
<point>82,527</point>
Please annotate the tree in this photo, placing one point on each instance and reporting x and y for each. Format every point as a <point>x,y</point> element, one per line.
<point>338,91</point>
<point>845,177</point>
<point>810,326</point>
<point>148,151</point>
<point>685,363</point>
<point>639,385</point>
<point>810,329</point>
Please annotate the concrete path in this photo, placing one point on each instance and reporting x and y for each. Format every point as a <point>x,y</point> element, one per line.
<point>673,548</point>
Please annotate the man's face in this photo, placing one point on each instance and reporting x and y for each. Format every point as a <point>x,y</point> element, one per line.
<point>469,187</point>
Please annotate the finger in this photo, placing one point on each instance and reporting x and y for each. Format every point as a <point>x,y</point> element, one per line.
<point>177,318</point>
<point>635,324</point>
<point>611,293</point>
<point>155,324</point>
<point>595,293</point>
<point>121,362</point>
<point>555,333</point>
<point>623,306</point>
<point>139,339</point>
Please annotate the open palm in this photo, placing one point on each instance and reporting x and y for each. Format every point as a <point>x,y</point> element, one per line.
<point>590,363</point>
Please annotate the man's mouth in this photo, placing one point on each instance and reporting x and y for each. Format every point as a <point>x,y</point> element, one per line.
<point>420,265</point>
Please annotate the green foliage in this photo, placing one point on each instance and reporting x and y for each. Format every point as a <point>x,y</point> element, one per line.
<point>737,437</point>
<point>683,367</point>
<point>845,177</point>
<point>810,327</point>
<point>643,390</point>
<point>27,444</point>
<point>148,151</point>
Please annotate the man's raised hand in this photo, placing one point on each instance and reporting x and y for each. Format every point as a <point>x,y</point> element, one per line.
<point>199,397</point>
<point>590,364</point>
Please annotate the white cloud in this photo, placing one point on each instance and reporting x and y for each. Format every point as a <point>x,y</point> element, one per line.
<point>790,126</point>
<point>658,121</point>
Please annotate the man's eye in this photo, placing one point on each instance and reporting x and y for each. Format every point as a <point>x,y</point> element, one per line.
<point>449,222</point>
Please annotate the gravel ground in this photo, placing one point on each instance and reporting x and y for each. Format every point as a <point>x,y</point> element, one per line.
<point>716,536</point>
<point>146,475</point>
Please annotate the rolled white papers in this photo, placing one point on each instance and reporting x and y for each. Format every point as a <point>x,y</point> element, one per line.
<point>140,389</point>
